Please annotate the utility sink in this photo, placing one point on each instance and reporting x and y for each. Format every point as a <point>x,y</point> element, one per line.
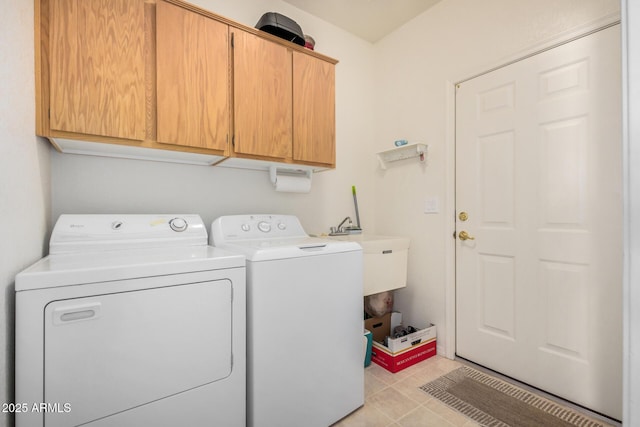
<point>385,261</point>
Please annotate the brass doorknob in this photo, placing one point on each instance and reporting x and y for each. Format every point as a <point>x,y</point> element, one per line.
<point>463,235</point>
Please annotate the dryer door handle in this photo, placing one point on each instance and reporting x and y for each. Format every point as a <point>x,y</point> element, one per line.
<point>75,313</point>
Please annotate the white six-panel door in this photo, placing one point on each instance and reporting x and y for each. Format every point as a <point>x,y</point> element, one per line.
<point>538,175</point>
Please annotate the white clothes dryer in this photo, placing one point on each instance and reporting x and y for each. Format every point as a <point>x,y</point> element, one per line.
<point>132,320</point>
<point>304,321</point>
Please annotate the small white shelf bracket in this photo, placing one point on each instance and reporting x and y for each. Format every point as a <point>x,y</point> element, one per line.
<point>404,152</point>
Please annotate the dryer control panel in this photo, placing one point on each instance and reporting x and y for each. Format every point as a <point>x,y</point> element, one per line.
<point>89,233</point>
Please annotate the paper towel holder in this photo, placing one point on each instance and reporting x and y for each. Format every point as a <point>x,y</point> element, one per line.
<point>275,170</point>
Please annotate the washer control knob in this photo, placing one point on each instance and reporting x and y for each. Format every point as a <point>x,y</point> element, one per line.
<point>178,224</point>
<point>263,226</point>
<point>245,227</point>
<point>282,226</point>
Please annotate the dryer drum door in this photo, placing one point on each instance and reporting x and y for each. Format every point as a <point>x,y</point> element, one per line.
<point>109,353</point>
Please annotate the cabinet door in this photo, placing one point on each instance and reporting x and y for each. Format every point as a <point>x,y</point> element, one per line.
<point>314,122</point>
<point>192,78</point>
<point>97,67</point>
<point>262,96</point>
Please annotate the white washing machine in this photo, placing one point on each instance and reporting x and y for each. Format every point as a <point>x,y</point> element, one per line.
<point>304,321</point>
<point>132,320</point>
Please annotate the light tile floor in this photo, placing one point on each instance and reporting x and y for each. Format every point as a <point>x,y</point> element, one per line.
<point>395,400</point>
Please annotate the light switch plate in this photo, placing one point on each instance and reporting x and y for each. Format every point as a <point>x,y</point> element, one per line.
<point>432,205</point>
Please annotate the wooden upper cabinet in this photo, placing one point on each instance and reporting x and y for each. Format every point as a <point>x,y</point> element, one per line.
<point>97,67</point>
<point>314,130</point>
<point>166,74</point>
<point>192,57</point>
<point>262,94</point>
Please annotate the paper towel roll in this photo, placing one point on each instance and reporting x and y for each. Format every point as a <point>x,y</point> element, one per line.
<point>293,184</point>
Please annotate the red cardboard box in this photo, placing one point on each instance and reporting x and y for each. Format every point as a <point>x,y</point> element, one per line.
<point>395,362</point>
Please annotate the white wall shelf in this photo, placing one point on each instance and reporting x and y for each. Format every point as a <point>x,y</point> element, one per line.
<point>404,152</point>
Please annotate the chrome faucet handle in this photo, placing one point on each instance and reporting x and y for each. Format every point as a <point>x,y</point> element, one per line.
<point>339,228</point>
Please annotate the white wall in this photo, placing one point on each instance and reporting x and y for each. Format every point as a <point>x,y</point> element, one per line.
<point>24,175</point>
<point>631,38</point>
<point>83,184</point>
<point>417,66</point>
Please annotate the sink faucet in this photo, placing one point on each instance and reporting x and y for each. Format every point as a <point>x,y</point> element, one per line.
<point>339,229</point>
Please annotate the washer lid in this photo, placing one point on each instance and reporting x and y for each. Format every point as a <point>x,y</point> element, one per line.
<point>94,267</point>
<point>272,249</point>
